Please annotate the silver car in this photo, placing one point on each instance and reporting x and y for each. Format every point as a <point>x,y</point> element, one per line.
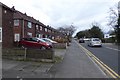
<point>94,42</point>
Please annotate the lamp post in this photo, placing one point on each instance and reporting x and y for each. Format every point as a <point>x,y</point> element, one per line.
<point>118,36</point>
<point>118,27</point>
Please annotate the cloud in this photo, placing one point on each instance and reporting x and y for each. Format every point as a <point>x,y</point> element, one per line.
<point>64,12</point>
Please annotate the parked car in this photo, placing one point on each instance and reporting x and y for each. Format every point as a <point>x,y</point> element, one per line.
<point>81,40</point>
<point>49,40</point>
<point>42,40</point>
<point>94,42</point>
<point>34,43</point>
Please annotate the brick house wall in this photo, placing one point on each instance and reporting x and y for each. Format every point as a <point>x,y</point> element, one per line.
<point>29,30</point>
<point>23,28</point>
<point>7,27</point>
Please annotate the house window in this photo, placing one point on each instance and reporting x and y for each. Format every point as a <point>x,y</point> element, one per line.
<point>45,29</point>
<point>16,22</point>
<point>37,27</point>
<point>41,28</point>
<point>0,34</point>
<point>53,37</point>
<point>16,37</point>
<point>37,35</point>
<point>29,34</point>
<point>29,25</point>
<point>40,36</point>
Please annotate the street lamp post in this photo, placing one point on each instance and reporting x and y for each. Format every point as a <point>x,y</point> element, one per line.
<point>118,27</point>
<point>118,36</point>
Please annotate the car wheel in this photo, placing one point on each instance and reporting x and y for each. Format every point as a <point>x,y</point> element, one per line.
<point>43,48</point>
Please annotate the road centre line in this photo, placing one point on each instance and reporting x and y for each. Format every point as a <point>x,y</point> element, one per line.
<point>104,66</point>
<point>112,48</point>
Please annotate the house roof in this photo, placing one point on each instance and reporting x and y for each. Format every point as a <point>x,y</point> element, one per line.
<point>20,15</point>
<point>1,4</point>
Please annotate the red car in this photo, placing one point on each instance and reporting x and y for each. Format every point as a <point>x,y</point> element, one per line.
<point>34,43</point>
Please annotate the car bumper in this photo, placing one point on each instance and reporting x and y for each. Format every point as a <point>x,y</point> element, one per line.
<point>96,44</point>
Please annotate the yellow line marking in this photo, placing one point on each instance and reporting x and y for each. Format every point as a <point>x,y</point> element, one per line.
<point>104,66</point>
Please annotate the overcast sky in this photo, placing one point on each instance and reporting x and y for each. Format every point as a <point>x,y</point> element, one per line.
<point>57,13</point>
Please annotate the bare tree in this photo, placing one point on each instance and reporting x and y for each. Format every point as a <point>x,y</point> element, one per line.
<point>67,29</point>
<point>114,21</point>
<point>113,17</point>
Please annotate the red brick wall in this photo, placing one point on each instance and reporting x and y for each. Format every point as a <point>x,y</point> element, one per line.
<point>31,30</point>
<point>7,27</point>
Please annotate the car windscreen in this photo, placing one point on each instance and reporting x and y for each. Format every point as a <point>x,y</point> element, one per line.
<point>41,40</point>
<point>96,39</point>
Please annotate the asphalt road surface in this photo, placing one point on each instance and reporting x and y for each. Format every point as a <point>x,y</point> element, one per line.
<point>76,64</point>
<point>108,54</point>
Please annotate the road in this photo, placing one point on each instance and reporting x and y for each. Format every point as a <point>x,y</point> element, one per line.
<point>76,64</point>
<point>108,54</point>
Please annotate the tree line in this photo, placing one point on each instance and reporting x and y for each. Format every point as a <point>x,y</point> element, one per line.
<point>94,32</point>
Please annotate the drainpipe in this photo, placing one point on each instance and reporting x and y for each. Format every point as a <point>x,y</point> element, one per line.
<point>23,30</point>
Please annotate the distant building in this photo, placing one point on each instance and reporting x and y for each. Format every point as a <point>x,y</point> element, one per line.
<point>106,36</point>
<point>6,26</point>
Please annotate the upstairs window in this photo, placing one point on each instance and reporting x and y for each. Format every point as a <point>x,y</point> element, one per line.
<point>45,29</point>
<point>41,28</point>
<point>16,22</point>
<point>29,25</point>
<point>37,27</point>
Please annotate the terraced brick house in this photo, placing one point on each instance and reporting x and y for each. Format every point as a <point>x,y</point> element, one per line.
<point>6,26</point>
<point>24,26</point>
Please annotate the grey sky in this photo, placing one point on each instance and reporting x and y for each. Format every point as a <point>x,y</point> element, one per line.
<point>57,13</point>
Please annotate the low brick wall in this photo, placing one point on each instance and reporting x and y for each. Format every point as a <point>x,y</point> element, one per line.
<point>28,53</point>
<point>60,45</point>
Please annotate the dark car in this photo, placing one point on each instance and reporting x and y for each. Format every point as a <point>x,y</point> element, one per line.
<point>34,43</point>
<point>81,40</point>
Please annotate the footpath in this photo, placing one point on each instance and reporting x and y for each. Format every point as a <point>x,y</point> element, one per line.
<point>29,69</point>
<point>75,64</point>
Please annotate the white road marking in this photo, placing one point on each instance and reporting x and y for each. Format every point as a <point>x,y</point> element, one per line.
<point>112,48</point>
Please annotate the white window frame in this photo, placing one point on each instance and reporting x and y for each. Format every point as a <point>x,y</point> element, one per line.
<point>40,35</point>
<point>29,34</point>
<point>37,27</point>
<point>46,29</point>
<point>16,37</point>
<point>16,22</point>
<point>0,34</point>
<point>41,28</point>
<point>29,25</point>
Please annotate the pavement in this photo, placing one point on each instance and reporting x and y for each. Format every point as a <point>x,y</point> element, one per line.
<point>28,68</point>
<point>75,64</point>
